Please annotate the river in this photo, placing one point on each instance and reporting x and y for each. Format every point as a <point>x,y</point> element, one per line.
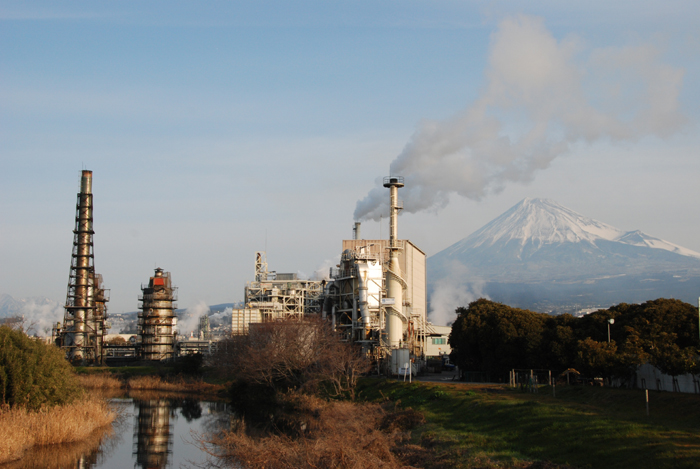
<point>153,431</point>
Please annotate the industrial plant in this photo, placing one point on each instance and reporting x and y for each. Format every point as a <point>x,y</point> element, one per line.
<point>82,332</point>
<point>157,317</point>
<point>376,298</point>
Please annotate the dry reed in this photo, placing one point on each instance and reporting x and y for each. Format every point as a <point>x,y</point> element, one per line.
<point>21,429</point>
<point>329,435</point>
<point>155,383</point>
<point>100,381</point>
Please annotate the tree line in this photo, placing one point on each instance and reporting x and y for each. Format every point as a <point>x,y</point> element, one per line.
<point>495,338</point>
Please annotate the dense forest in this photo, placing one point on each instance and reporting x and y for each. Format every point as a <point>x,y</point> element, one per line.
<point>495,338</point>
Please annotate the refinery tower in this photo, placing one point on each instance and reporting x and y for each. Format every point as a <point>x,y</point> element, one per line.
<point>83,330</point>
<point>157,317</point>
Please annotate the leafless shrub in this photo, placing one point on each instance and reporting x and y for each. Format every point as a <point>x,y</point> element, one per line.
<point>292,354</point>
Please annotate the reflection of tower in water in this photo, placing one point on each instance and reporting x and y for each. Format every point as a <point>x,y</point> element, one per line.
<point>153,434</point>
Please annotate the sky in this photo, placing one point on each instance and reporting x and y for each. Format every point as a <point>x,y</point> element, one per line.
<point>218,129</point>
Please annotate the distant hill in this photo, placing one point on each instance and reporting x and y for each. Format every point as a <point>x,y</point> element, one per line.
<point>543,256</point>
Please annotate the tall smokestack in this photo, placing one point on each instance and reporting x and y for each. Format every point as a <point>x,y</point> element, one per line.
<point>83,324</point>
<point>356,231</point>
<point>395,317</point>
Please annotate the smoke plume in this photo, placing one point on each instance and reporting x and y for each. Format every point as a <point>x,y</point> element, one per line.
<point>456,289</point>
<point>189,320</point>
<point>540,97</point>
<point>40,315</point>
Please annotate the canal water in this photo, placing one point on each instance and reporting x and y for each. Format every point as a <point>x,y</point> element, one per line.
<point>153,431</point>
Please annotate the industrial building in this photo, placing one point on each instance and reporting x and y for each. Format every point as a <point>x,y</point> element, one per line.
<point>157,320</point>
<point>273,296</point>
<point>375,297</point>
<point>377,294</point>
<point>82,332</point>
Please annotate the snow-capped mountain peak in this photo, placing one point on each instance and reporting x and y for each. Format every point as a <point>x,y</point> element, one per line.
<point>542,222</point>
<point>543,256</point>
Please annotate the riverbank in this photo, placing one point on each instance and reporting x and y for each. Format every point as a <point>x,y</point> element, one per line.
<point>22,429</point>
<point>110,381</point>
<point>490,426</point>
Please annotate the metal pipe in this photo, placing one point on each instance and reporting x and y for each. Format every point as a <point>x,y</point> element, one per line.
<point>395,316</point>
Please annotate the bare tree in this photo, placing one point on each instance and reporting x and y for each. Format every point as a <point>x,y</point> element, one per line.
<point>305,355</point>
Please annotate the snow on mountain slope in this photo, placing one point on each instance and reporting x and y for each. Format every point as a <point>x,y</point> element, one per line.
<point>637,238</point>
<point>537,223</point>
<point>543,256</point>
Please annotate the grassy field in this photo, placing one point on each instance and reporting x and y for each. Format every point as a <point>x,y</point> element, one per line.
<point>494,426</point>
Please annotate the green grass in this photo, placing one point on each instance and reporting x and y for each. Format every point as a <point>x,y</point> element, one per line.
<point>581,427</point>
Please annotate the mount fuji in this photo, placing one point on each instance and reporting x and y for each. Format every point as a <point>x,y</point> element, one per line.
<point>541,255</point>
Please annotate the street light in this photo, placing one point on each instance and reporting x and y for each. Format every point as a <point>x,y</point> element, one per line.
<point>610,321</point>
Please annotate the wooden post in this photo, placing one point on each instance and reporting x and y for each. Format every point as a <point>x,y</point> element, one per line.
<point>646,391</point>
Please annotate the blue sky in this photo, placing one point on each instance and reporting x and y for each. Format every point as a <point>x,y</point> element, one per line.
<point>216,129</point>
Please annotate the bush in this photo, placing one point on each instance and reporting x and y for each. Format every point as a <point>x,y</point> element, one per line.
<point>33,374</point>
<point>279,356</point>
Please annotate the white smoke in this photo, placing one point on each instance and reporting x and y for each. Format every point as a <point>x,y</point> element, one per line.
<point>222,318</point>
<point>323,271</point>
<point>188,321</point>
<point>541,97</point>
<point>40,315</point>
<point>454,290</point>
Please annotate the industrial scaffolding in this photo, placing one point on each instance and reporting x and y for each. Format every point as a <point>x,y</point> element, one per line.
<point>281,296</point>
<point>156,320</point>
<point>273,296</point>
<point>82,333</point>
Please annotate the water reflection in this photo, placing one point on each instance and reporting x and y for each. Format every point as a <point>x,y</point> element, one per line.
<point>153,433</point>
<point>163,428</point>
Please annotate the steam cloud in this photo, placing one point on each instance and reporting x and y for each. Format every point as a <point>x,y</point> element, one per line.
<point>189,320</point>
<point>40,315</point>
<point>454,290</point>
<point>541,96</point>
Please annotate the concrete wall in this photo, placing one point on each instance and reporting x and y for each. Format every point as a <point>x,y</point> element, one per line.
<point>649,377</point>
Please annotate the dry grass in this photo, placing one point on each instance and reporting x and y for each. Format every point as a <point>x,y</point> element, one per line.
<point>155,383</point>
<point>100,381</point>
<point>320,435</point>
<point>21,429</point>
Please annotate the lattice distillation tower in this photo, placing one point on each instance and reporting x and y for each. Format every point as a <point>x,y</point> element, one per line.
<point>83,330</point>
<point>157,317</point>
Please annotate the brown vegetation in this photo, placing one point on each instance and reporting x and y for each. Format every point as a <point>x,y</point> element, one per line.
<point>179,384</point>
<point>100,381</point>
<point>21,429</point>
<point>322,434</point>
<point>300,355</point>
